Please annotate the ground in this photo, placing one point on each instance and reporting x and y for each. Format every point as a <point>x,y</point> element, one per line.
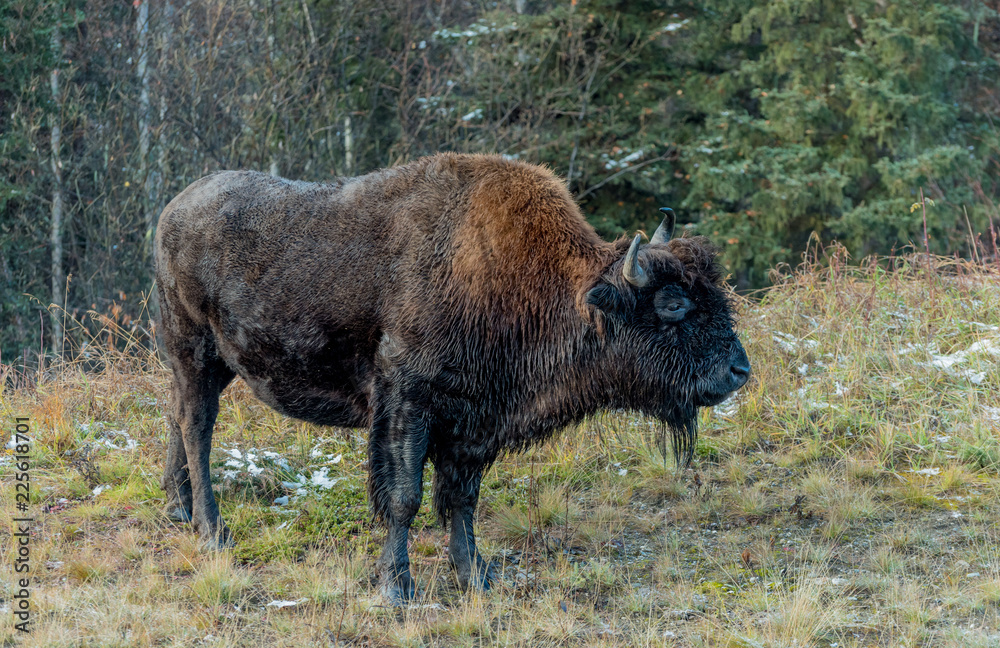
<point>849,496</point>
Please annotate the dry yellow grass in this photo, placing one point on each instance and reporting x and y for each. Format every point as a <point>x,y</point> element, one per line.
<point>848,497</point>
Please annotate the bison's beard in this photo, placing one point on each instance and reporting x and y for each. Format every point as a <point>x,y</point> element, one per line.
<point>683,431</point>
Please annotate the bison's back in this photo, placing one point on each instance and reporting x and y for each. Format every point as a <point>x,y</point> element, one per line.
<point>276,273</point>
<point>299,283</point>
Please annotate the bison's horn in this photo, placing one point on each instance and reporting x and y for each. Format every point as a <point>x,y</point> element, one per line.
<point>632,271</point>
<point>665,231</point>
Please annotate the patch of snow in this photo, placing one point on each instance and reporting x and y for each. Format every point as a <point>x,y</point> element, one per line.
<point>992,413</point>
<point>108,438</point>
<point>247,461</point>
<point>624,162</point>
<point>475,114</point>
<point>989,346</point>
<point>728,407</point>
<point>980,325</point>
<point>927,471</point>
<point>318,479</point>
<point>791,344</point>
<point>975,377</point>
<point>803,394</point>
<point>276,458</point>
<point>284,604</point>
<point>478,28</point>
<point>100,489</point>
<point>672,27</point>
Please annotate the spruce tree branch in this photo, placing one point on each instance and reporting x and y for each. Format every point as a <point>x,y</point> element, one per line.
<point>671,154</point>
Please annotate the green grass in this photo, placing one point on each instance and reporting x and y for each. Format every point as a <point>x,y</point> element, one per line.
<point>848,496</point>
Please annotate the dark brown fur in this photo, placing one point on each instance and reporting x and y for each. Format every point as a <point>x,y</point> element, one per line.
<point>459,306</point>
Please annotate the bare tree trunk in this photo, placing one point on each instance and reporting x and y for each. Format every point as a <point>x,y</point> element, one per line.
<point>56,240</point>
<point>273,170</point>
<point>309,23</point>
<point>348,146</point>
<point>142,71</point>
<point>161,149</point>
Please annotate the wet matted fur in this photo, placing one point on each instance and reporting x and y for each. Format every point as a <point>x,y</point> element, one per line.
<point>459,306</point>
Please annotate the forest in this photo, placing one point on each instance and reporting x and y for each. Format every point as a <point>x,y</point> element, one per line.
<point>765,124</point>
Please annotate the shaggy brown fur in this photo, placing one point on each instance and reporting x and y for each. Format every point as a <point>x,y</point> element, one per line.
<point>459,306</point>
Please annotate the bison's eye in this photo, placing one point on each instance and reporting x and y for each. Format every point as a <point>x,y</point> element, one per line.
<point>672,307</point>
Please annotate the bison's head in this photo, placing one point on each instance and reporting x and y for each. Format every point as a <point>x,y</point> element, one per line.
<point>669,331</point>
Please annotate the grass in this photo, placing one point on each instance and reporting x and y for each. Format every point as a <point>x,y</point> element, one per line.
<point>847,497</point>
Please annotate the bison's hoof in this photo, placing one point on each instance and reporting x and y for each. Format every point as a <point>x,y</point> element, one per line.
<point>480,578</point>
<point>179,514</point>
<point>217,540</point>
<point>398,591</point>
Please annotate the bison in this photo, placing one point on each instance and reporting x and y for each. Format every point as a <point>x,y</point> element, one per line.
<point>458,306</point>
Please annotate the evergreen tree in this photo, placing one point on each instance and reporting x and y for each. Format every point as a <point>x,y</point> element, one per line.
<point>26,61</point>
<point>833,117</point>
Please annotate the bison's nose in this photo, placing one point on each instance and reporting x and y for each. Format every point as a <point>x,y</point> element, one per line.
<point>740,373</point>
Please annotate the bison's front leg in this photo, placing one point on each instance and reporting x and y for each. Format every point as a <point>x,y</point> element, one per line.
<point>397,450</point>
<point>457,476</point>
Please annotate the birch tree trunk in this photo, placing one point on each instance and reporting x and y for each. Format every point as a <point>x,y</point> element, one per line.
<point>142,71</point>
<point>162,66</point>
<point>348,146</point>
<point>55,237</point>
<point>273,118</point>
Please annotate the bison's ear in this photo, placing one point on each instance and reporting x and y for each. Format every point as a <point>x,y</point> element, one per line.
<point>606,298</point>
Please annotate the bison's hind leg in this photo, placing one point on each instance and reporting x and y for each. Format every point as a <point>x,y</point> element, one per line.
<point>199,376</point>
<point>457,477</point>
<point>397,451</point>
<point>176,481</point>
